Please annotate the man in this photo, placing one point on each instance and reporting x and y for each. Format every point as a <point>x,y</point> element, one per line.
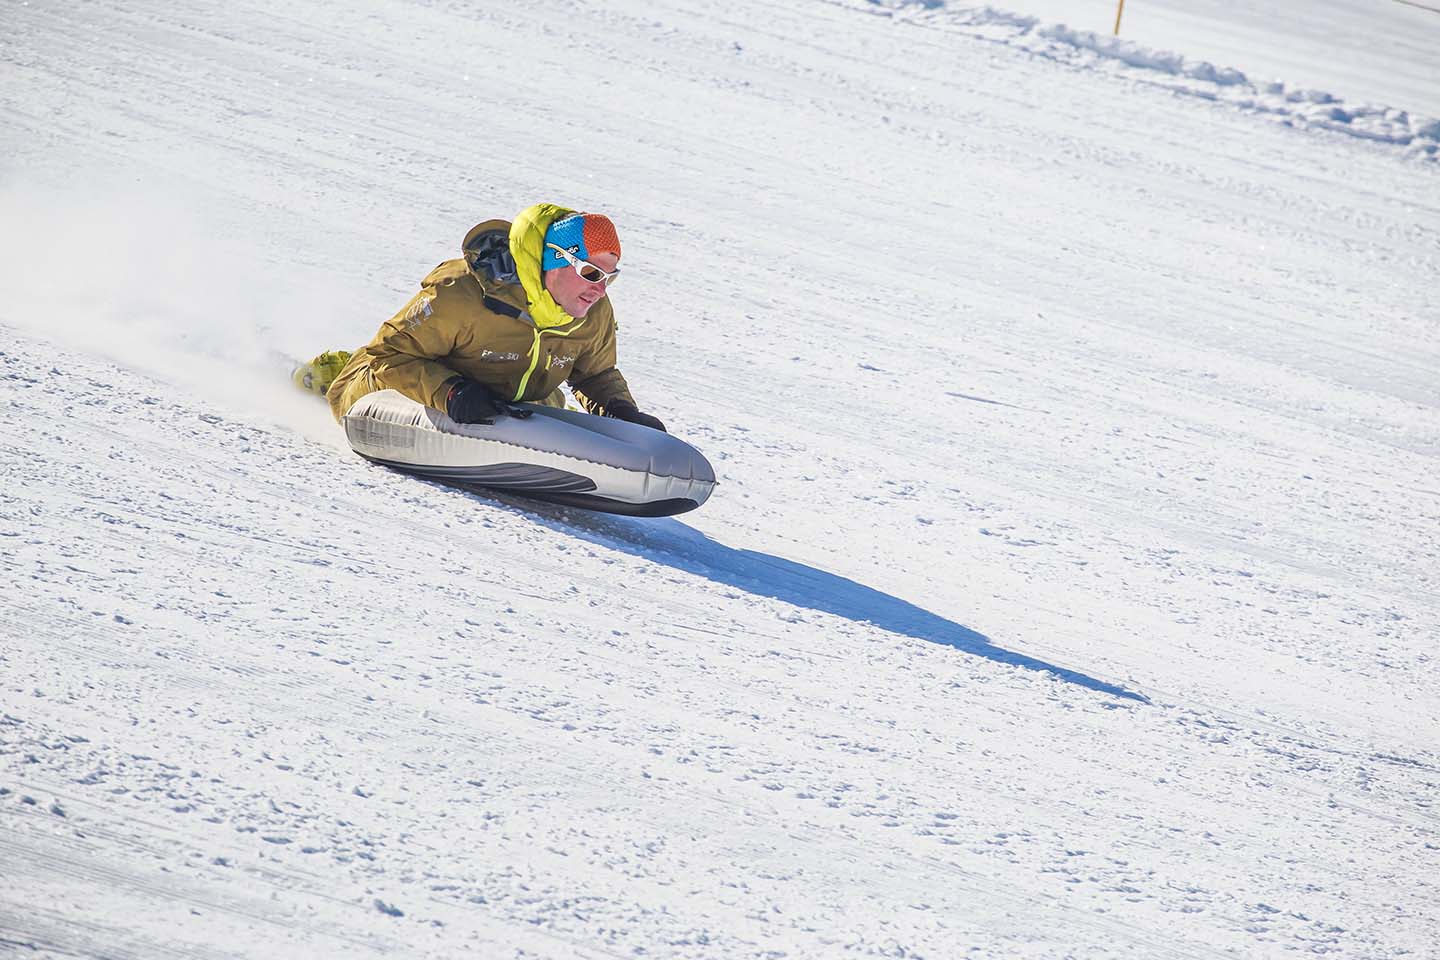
<point>524,311</point>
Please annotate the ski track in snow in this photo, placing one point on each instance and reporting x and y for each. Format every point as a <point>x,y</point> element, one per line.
<point>1125,649</point>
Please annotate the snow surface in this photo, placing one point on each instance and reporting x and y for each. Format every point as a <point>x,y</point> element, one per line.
<point>1071,587</point>
<point>1380,52</point>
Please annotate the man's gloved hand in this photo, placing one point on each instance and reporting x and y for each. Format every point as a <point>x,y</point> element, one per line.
<point>621,410</point>
<point>471,402</point>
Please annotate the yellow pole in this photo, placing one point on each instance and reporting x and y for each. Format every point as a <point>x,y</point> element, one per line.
<point>1119,10</point>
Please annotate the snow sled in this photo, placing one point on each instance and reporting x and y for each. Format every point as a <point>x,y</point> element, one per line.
<point>561,456</point>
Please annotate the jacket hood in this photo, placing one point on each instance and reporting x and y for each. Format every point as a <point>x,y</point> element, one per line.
<point>510,253</point>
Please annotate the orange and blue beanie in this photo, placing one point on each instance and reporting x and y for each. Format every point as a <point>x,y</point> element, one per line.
<point>583,234</point>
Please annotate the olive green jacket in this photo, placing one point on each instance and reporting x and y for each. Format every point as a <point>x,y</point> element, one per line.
<point>488,317</point>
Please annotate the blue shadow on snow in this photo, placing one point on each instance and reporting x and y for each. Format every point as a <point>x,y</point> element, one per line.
<point>670,542</point>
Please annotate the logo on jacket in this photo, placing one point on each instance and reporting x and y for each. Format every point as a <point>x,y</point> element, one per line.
<point>493,356</point>
<point>419,310</point>
<point>559,362</point>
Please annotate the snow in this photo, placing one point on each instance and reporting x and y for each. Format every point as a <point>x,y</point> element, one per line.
<point>1071,585</point>
<point>1376,53</point>
<point>1186,76</point>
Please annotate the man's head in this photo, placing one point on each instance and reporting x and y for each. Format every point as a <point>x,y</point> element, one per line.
<point>580,258</point>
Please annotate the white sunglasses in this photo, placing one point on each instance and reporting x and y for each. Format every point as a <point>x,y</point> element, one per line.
<point>587,270</point>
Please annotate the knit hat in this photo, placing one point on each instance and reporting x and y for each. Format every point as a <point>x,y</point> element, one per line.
<point>583,234</point>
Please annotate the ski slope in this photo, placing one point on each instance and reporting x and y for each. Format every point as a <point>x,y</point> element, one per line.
<point>1069,591</point>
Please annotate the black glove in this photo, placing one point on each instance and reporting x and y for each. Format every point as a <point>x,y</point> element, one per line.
<point>621,410</point>
<point>471,402</point>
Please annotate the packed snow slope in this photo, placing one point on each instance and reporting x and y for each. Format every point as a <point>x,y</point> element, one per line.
<point>1070,591</point>
<point>1380,53</point>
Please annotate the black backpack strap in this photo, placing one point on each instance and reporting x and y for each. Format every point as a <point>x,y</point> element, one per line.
<point>501,307</point>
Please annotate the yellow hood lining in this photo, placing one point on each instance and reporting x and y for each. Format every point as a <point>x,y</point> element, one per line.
<point>527,245</point>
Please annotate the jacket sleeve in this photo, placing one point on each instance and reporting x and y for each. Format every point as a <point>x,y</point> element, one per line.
<point>594,379</point>
<point>408,355</point>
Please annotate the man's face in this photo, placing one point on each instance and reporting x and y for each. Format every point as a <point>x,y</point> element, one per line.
<point>574,293</point>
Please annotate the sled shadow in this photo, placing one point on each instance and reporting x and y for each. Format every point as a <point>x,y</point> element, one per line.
<point>670,542</point>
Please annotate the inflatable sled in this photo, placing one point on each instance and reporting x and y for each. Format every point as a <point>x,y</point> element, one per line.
<point>557,455</point>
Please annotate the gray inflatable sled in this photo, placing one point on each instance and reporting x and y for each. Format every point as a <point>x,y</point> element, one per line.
<point>561,456</point>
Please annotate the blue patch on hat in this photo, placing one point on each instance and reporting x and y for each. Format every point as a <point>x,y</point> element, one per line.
<point>569,233</point>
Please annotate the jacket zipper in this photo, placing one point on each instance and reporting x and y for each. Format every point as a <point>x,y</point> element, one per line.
<point>535,355</point>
